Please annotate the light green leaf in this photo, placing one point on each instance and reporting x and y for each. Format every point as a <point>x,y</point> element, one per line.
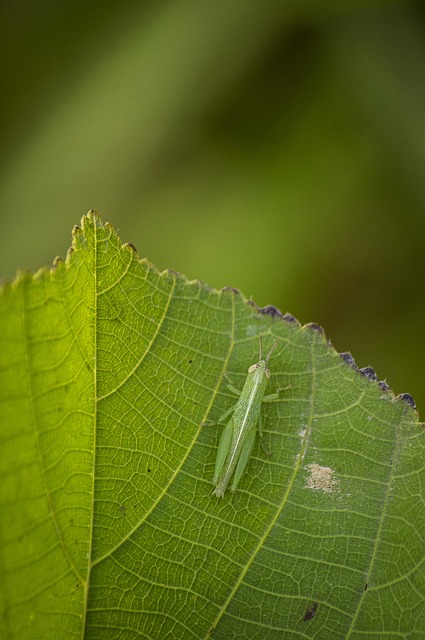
<point>109,529</point>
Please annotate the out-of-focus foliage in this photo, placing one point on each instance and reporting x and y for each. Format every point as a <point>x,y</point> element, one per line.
<point>276,147</point>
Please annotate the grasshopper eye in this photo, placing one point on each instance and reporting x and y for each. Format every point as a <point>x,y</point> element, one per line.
<point>253,367</point>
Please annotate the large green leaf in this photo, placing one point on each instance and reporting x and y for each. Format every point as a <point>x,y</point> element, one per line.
<point>109,528</point>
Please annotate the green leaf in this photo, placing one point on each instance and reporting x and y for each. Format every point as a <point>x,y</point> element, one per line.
<point>109,529</point>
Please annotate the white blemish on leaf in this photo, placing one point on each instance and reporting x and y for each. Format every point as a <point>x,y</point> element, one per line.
<point>321,478</point>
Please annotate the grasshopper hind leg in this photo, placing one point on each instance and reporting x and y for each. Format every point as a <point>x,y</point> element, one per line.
<point>243,460</point>
<point>223,449</point>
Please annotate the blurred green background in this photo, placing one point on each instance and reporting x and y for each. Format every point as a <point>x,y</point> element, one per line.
<point>277,147</point>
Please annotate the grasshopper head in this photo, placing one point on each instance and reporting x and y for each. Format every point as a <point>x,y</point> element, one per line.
<point>262,364</point>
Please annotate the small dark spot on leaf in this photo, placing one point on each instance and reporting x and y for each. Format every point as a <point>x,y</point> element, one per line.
<point>384,385</point>
<point>190,361</point>
<point>348,359</point>
<point>232,290</point>
<point>365,587</point>
<point>288,317</point>
<point>310,613</point>
<point>129,245</point>
<point>315,327</point>
<point>368,372</point>
<point>270,310</point>
<point>407,398</point>
<point>76,228</point>
<point>149,470</point>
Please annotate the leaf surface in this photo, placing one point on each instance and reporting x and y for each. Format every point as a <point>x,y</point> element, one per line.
<point>109,529</point>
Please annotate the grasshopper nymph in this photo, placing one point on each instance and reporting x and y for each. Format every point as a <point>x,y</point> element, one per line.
<point>238,437</point>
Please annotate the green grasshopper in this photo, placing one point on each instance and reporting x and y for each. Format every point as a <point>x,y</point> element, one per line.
<point>238,437</point>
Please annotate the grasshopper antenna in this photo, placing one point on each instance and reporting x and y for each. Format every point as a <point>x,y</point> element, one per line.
<point>272,349</point>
